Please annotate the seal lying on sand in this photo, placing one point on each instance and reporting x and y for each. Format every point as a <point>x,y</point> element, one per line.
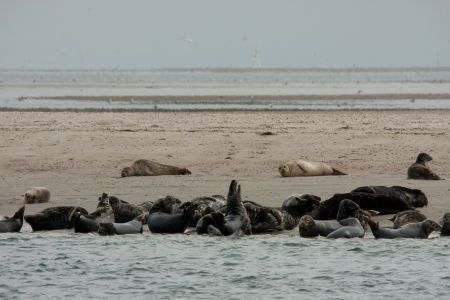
<point>382,204</point>
<point>414,230</point>
<point>269,219</point>
<point>131,227</point>
<point>168,205</point>
<point>89,223</point>
<point>204,205</point>
<point>53,218</point>
<point>144,167</point>
<point>445,231</point>
<point>235,221</point>
<point>123,211</point>
<point>414,197</point>
<point>306,168</point>
<point>351,228</point>
<point>161,222</point>
<point>14,223</point>
<point>308,227</point>
<point>419,169</point>
<point>406,217</point>
<point>36,195</point>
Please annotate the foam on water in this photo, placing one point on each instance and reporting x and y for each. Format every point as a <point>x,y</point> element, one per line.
<point>62,264</point>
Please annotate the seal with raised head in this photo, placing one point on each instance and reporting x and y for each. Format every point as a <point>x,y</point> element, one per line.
<point>36,195</point>
<point>419,169</point>
<point>308,227</point>
<point>131,227</point>
<point>445,230</point>
<point>53,218</point>
<point>414,197</point>
<point>302,167</point>
<point>123,211</point>
<point>351,228</point>
<point>413,230</point>
<point>14,223</point>
<point>144,167</point>
<point>406,217</point>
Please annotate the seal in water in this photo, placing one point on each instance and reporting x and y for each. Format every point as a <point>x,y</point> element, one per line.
<point>53,218</point>
<point>351,228</point>
<point>419,169</point>
<point>162,222</point>
<point>413,230</point>
<point>131,227</point>
<point>144,167</point>
<point>382,204</point>
<point>445,231</point>
<point>414,197</point>
<point>36,195</point>
<point>406,217</point>
<point>308,227</point>
<point>14,223</point>
<point>306,168</point>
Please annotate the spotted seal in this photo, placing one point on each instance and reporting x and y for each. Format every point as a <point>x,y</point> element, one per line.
<point>413,230</point>
<point>14,223</point>
<point>306,168</point>
<point>419,169</point>
<point>144,167</point>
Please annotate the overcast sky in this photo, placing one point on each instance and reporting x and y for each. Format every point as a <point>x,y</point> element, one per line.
<point>208,33</point>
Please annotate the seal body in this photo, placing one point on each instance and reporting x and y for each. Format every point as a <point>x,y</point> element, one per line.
<point>406,217</point>
<point>175,222</point>
<point>36,195</point>
<point>419,169</point>
<point>144,167</point>
<point>123,211</point>
<point>14,223</point>
<point>414,197</point>
<point>382,204</point>
<point>308,227</point>
<point>89,223</point>
<point>131,227</point>
<point>211,224</point>
<point>53,218</point>
<point>205,205</point>
<point>351,229</point>
<point>445,231</point>
<point>306,168</point>
<point>413,230</point>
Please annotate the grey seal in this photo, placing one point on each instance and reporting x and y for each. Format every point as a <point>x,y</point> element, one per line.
<point>406,217</point>
<point>14,223</point>
<point>308,227</point>
<point>445,231</point>
<point>306,168</point>
<point>413,230</point>
<point>131,227</point>
<point>144,167</point>
<point>351,228</point>
<point>420,170</point>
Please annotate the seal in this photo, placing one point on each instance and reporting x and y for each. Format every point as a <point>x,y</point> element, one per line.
<point>123,211</point>
<point>351,228</point>
<point>406,217</point>
<point>414,197</point>
<point>162,222</point>
<point>445,231</point>
<point>211,224</point>
<point>89,223</point>
<point>269,219</point>
<point>53,218</point>
<point>14,223</point>
<point>308,227</point>
<point>413,230</point>
<point>301,167</point>
<point>328,209</point>
<point>205,205</point>
<point>144,167</point>
<point>36,195</point>
<point>349,209</point>
<point>131,227</point>
<point>168,205</point>
<point>419,169</point>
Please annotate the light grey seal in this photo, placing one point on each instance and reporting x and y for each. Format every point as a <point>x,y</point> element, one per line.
<point>131,227</point>
<point>413,230</point>
<point>144,167</point>
<point>36,195</point>
<point>302,167</point>
<point>351,229</point>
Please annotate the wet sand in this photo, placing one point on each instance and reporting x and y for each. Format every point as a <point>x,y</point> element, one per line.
<point>79,155</point>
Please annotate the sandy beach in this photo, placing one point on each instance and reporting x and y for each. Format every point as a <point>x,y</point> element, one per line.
<point>79,155</point>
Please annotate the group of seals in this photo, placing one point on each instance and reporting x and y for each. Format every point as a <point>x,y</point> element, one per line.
<point>306,168</point>
<point>144,167</point>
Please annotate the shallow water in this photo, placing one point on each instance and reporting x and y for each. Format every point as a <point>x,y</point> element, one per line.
<point>62,264</point>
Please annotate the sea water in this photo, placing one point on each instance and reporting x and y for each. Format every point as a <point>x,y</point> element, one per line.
<point>63,264</point>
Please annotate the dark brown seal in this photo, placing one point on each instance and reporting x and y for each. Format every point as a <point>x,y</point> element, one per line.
<point>406,217</point>
<point>414,197</point>
<point>419,169</point>
<point>445,231</point>
<point>144,167</point>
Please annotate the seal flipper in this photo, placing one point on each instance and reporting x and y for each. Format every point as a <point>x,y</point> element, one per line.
<point>337,172</point>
